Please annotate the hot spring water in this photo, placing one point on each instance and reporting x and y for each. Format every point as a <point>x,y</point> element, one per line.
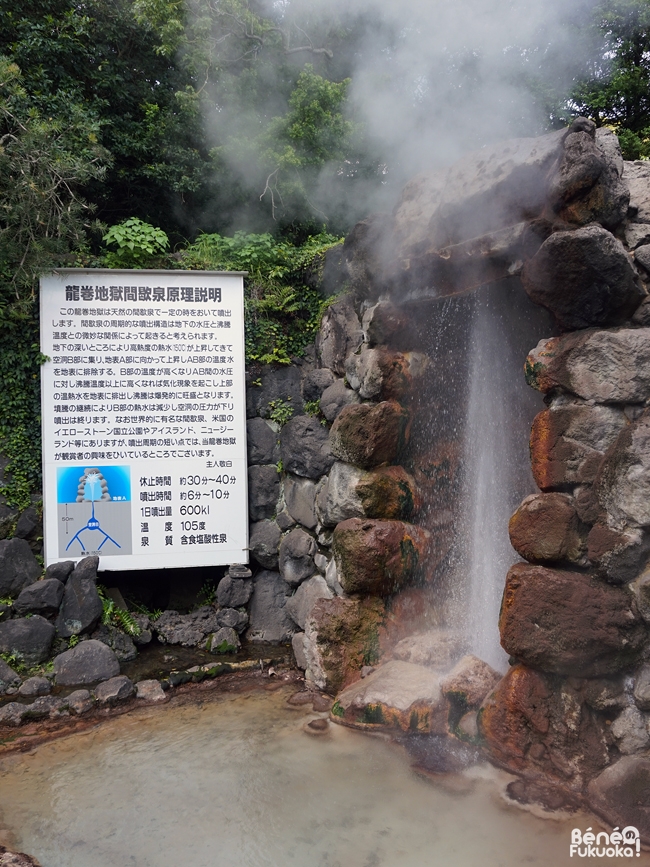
<point>236,782</point>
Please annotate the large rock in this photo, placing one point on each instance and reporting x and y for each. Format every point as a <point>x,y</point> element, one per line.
<point>470,681</point>
<point>120,643</point>
<point>60,571</point>
<point>234,592</point>
<point>546,529</point>
<point>397,695</point>
<point>28,638</point>
<point>568,443</point>
<point>297,552</point>
<point>583,278</point>
<point>41,597</point>
<point>605,366</point>
<point>299,496</point>
<point>630,732</point>
<point>387,492</point>
<point>341,636</point>
<point>539,726</point>
<point>617,555</point>
<point>383,374</point>
<point>620,795</point>
<point>8,677</point>
<point>115,690</point>
<point>89,662</point>
<point>315,383</point>
<point>261,442</point>
<point>269,620</point>
<point>232,619</point>
<point>378,557</point>
<point>81,607</point>
<point>437,648</point>
<point>306,596</point>
<point>272,383</point>
<point>335,398</point>
<point>188,630</point>
<point>623,481</point>
<point>368,436</point>
<point>263,543</point>
<point>569,623</point>
<point>304,447</point>
<point>340,334</point>
<point>263,491</point>
<point>384,323</point>
<point>18,567</point>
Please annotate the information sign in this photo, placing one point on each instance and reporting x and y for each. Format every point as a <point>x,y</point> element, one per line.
<point>144,418</point>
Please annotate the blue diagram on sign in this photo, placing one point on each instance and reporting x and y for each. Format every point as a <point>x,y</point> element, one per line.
<point>94,510</point>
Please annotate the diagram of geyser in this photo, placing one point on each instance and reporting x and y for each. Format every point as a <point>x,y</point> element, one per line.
<point>94,511</point>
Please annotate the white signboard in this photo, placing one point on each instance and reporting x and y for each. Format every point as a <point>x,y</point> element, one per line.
<point>144,418</point>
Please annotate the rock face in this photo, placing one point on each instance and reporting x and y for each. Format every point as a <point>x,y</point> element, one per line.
<point>610,366</point>
<point>188,630</point>
<point>534,725</point>
<point>584,278</point>
<point>269,620</point>
<point>379,373</point>
<point>261,442</point>
<point>340,334</point>
<point>81,607</point>
<point>387,492</point>
<point>263,491</point>
<point>569,623</point>
<point>620,795</point>
<point>546,529</point>
<point>397,695</point>
<point>623,483</point>
<point>18,566</point>
<point>305,448</point>
<point>28,638</point>
<point>89,662</point>
<point>41,597</point>
<point>377,557</point>
<point>368,436</point>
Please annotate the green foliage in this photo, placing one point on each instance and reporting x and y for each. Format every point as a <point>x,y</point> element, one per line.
<point>280,411</point>
<point>223,647</point>
<point>208,593</point>
<point>337,710</point>
<point>114,616</point>
<point>312,407</point>
<point>138,244</point>
<point>73,641</point>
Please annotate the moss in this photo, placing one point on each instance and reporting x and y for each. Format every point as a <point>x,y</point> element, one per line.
<point>337,710</point>
<point>372,714</point>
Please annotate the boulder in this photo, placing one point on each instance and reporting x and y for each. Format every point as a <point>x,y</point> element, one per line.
<point>308,593</point>
<point>261,442</point>
<point>233,619</point>
<point>234,592</point>
<point>150,690</point>
<point>28,638</point>
<point>269,620</point>
<point>89,662</point>
<point>617,555</point>
<point>304,447</point>
<point>8,677</point>
<point>630,731</point>
<point>568,443</point>
<point>340,334</point>
<point>604,366</point>
<point>35,686</point>
<point>224,640</point>
<point>264,541</point>
<point>297,551</point>
<point>81,607</point>
<point>315,383</point>
<point>382,374</point>
<point>620,795</point>
<point>298,647</point>
<point>120,643</point>
<point>335,398</point>
<point>18,567</point>
<point>80,701</point>
<point>623,481</point>
<point>273,382</point>
<point>377,557</point>
<point>437,648</point>
<point>397,695</point>
<point>387,492</point>
<point>188,630</point>
<point>569,623</point>
<point>41,597</point>
<point>114,690</point>
<point>86,569</point>
<point>299,496</point>
<point>534,724</point>
<point>642,254</point>
<point>546,529</point>
<point>385,323</point>
<point>469,681</point>
<point>368,436</point>
<point>263,491</point>
<point>60,571</point>
<point>341,636</point>
<point>12,714</point>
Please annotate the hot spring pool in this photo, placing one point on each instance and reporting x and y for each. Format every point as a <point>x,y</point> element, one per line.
<point>236,782</point>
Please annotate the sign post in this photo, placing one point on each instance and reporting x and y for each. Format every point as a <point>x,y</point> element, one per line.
<point>144,418</point>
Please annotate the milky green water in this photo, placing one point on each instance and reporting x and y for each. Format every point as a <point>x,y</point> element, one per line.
<point>236,782</point>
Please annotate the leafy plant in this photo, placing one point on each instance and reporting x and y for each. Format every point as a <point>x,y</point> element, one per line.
<point>280,411</point>
<point>208,592</point>
<point>137,242</point>
<point>312,407</point>
<point>73,641</point>
<point>114,616</point>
